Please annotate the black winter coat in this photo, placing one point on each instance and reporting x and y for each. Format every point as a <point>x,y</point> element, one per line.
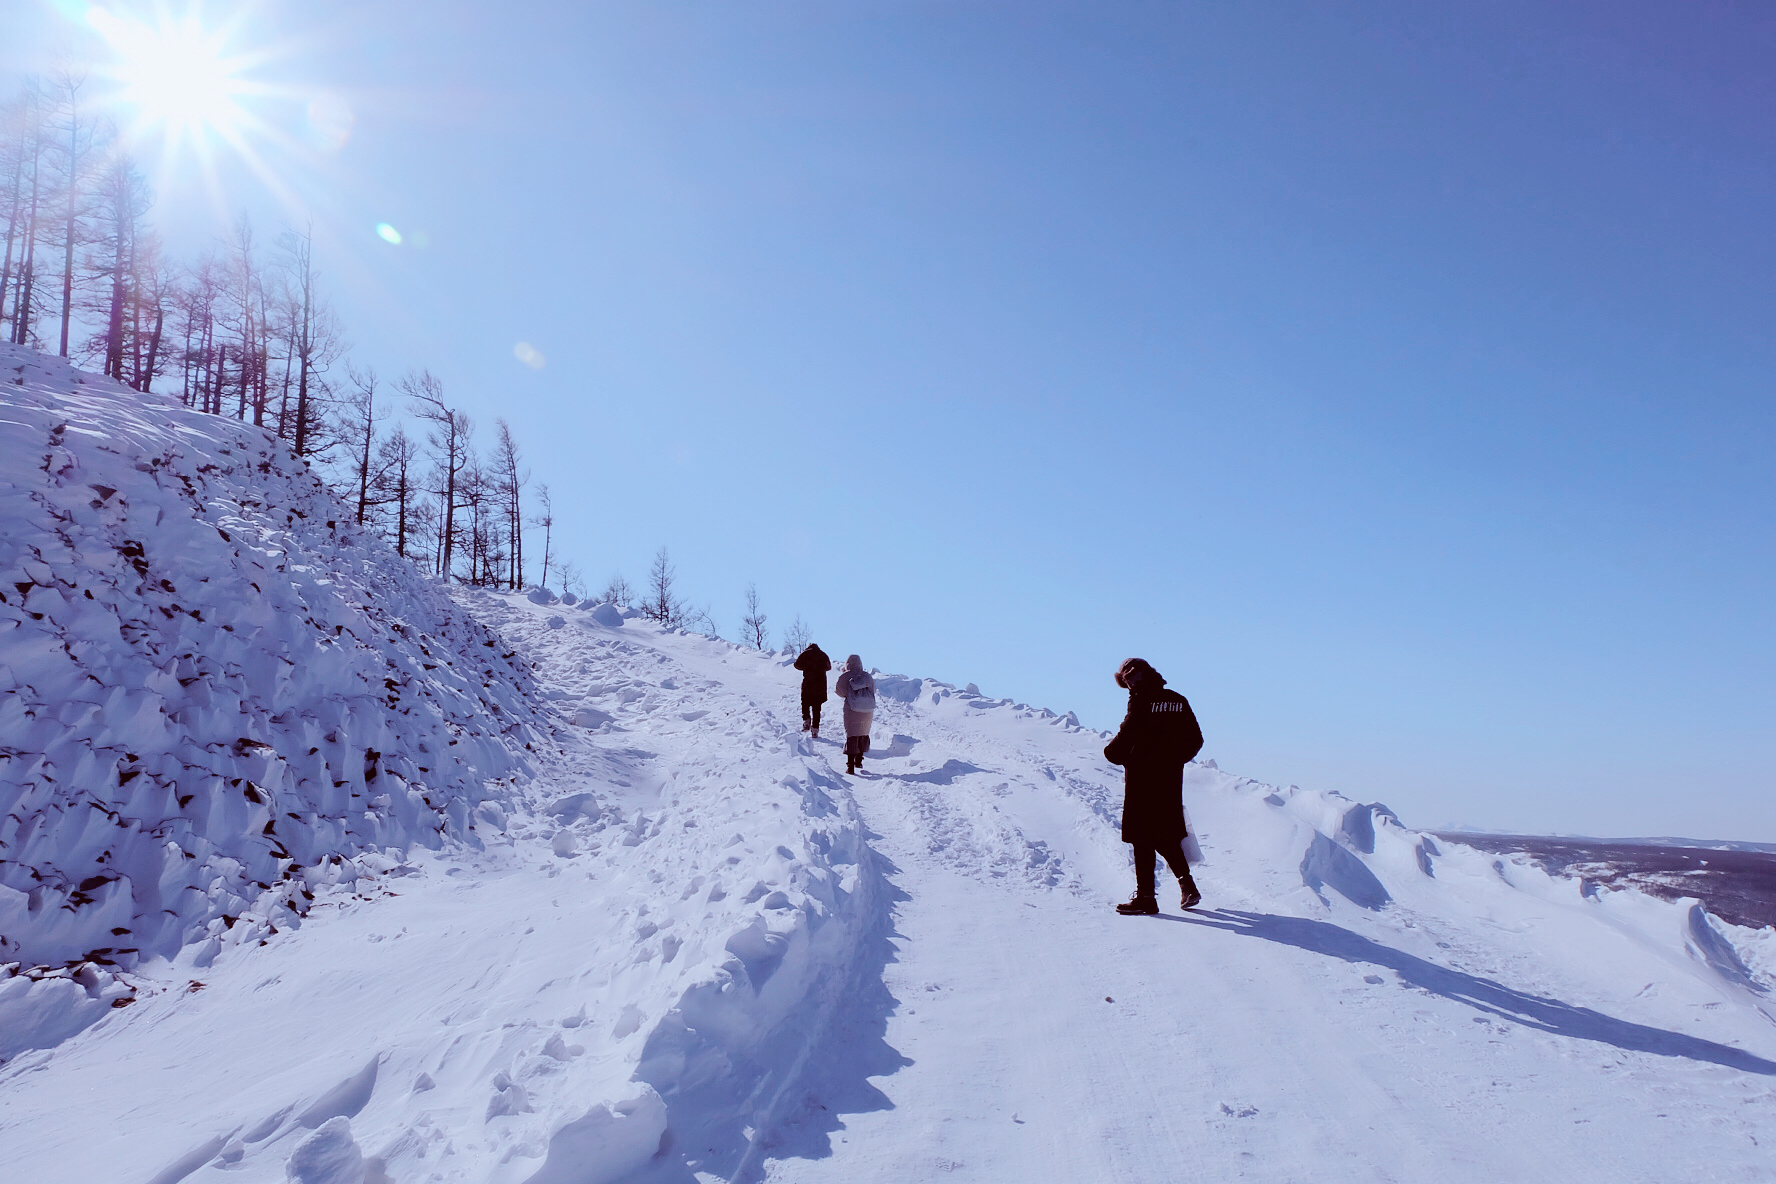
<point>1157,738</point>
<point>813,663</point>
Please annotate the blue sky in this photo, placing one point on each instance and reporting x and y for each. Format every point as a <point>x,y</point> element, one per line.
<point>1395,377</point>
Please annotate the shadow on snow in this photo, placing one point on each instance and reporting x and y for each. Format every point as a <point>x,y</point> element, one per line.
<point>1482,994</point>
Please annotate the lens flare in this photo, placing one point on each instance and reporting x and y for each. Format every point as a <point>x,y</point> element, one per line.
<point>530,355</point>
<point>388,234</point>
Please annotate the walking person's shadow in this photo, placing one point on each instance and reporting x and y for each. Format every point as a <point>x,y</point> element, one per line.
<point>1482,994</point>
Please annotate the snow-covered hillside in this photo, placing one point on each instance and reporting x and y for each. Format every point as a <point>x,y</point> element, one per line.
<point>218,694</point>
<point>681,946</point>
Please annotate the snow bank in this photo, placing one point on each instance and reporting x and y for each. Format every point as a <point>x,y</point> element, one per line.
<point>768,902</point>
<point>219,692</point>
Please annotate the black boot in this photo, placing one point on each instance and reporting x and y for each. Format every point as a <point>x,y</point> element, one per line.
<point>1191,896</point>
<point>1138,906</point>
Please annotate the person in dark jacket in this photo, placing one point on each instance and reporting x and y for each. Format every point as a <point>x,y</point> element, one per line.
<point>813,663</point>
<point>1157,738</point>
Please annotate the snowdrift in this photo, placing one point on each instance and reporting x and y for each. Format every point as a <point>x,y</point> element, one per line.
<point>219,694</point>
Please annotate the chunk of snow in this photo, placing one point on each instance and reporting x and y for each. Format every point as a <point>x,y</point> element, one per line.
<point>608,1142</point>
<point>329,1156</point>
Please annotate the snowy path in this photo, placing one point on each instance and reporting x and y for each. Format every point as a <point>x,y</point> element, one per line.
<point>1048,1038</point>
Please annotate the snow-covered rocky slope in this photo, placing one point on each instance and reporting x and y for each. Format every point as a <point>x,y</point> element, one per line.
<point>684,948</point>
<point>218,694</point>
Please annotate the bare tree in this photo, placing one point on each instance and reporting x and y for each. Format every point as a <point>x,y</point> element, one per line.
<point>509,485</point>
<point>28,200</point>
<point>663,604</point>
<point>545,518</point>
<point>618,591</point>
<point>243,284</point>
<point>313,335</point>
<point>73,151</point>
<point>797,636</point>
<point>422,529</point>
<point>149,293</point>
<point>449,439</point>
<point>21,139</point>
<point>480,538</point>
<point>122,202</point>
<point>573,581</point>
<point>356,429</point>
<point>395,483</point>
<point>752,625</point>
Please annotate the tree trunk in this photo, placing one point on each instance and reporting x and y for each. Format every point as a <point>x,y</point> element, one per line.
<point>153,349</point>
<point>27,281</point>
<point>71,222</point>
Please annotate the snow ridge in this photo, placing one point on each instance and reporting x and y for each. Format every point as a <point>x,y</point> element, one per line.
<point>220,694</point>
<point>773,907</point>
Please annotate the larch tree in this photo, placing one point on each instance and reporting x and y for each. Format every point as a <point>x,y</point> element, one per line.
<point>509,482</point>
<point>74,144</point>
<point>21,136</point>
<point>34,145</point>
<point>313,336</point>
<point>356,430</point>
<point>545,518</point>
<point>618,591</point>
<point>473,492</point>
<point>147,313</point>
<point>196,301</point>
<point>752,625</point>
<point>449,437</point>
<point>121,204</point>
<point>572,581</point>
<point>797,636</point>
<point>663,604</point>
<point>244,304</point>
<point>396,457</point>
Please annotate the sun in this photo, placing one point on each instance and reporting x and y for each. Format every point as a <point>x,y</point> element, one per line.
<point>176,76</point>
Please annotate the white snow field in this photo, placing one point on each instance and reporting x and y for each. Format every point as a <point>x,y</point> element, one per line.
<point>668,942</point>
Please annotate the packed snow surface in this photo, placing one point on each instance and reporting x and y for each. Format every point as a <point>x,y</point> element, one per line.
<point>677,945</point>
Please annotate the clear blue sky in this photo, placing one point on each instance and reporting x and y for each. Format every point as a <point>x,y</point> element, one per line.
<point>1395,376</point>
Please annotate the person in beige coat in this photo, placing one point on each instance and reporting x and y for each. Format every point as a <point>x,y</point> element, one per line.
<point>857,690</point>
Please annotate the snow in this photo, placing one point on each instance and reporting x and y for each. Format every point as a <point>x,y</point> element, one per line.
<point>220,696</point>
<point>668,941</point>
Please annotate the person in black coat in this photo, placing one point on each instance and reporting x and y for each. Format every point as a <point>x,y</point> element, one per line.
<point>1157,738</point>
<point>813,663</point>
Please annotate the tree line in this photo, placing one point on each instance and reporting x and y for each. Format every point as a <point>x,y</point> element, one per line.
<point>249,334</point>
<point>240,332</point>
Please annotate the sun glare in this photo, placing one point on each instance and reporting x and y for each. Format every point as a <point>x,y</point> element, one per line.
<point>178,76</point>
